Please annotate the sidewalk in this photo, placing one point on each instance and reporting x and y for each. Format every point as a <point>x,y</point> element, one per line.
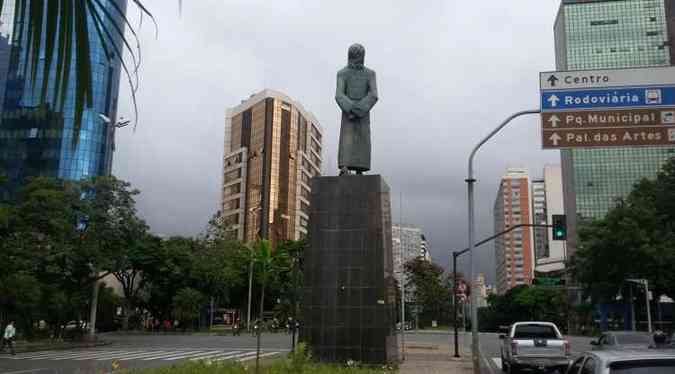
<point>433,359</point>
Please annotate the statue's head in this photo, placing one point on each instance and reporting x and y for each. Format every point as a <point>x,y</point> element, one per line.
<point>356,56</point>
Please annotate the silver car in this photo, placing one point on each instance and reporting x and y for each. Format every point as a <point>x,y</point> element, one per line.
<point>646,361</point>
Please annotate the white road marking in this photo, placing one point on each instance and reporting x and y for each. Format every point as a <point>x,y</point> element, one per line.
<point>25,371</point>
<point>235,356</point>
<point>232,353</point>
<point>142,355</point>
<point>497,361</point>
<point>31,355</point>
<point>169,355</point>
<point>192,355</point>
<point>63,355</point>
<point>261,356</point>
<point>93,356</point>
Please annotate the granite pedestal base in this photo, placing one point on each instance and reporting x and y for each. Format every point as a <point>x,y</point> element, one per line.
<point>349,293</point>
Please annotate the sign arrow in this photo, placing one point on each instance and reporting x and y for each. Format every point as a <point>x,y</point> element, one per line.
<point>555,138</point>
<point>553,99</point>
<point>552,80</point>
<point>554,120</point>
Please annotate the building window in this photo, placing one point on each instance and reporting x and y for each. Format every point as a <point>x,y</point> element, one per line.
<point>304,222</point>
<point>232,175</point>
<point>231,205</point>
<point>233,189</point>
<point>304,207</point>
<point>231,220</point>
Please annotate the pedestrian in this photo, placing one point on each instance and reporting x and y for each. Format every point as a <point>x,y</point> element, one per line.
<point>235,328</point>
<point>8,338</point>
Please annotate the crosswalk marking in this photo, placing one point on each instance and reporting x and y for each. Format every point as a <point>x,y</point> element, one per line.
<point>142,355</point>
<point>217,355</point>
<point>261,356</point>
<point>208,354</point>
<point>166,354</point>
<point>235,356</point>
<point>22,357</point>
<point>169,355</point>
<point>97,355</point>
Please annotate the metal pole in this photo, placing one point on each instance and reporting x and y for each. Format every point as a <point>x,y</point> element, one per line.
<point>250,295</point>
<point>470,180</point>
<point>403,257</point>
<point>632,307</point>
<point>649,312</point>
<point>454,301</point>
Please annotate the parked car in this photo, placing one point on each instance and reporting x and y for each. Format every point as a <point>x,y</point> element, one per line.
<point>624,362</point>
<point>623,340</point>
<point>534,346</point>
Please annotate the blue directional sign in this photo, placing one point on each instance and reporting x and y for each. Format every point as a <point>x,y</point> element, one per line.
<point>630,97</point>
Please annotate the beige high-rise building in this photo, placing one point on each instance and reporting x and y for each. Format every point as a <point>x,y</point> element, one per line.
<point>514,251</point>
<point>272,150</point>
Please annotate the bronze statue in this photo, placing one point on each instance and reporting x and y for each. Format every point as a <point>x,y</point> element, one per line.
<point>356,94</point>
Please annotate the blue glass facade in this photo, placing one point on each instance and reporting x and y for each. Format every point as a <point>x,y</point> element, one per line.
<point>36,139</point>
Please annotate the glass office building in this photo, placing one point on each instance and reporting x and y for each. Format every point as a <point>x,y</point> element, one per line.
<point>599,35</point>
<point>36,138</point>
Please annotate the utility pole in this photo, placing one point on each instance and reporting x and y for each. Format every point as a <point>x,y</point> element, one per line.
<point>632,307</point>
<point>470,180</point>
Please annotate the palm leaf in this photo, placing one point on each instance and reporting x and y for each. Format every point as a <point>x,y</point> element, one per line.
<point>59,32</point>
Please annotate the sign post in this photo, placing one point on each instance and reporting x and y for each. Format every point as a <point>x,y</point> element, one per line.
<point>608,108</point>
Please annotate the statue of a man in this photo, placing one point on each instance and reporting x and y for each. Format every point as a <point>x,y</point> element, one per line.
<point>356,94</point>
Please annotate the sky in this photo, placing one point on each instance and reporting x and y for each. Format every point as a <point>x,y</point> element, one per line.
<point>448,73</point>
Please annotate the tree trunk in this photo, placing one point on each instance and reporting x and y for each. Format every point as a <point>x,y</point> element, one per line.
<point>262,301</point>
<point>92,311</point>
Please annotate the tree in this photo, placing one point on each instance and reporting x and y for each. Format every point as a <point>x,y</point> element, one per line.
<point>186,305</point>
<point>641,228</point>
<point>268,265</point>
<point>135,259</point>
<point>429,288</point>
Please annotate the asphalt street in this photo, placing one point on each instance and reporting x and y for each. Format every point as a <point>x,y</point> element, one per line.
<point>144,351</point>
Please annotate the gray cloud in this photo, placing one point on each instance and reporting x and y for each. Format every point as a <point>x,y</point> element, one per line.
<point>448,73</point>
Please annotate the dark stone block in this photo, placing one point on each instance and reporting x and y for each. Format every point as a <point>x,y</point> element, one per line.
<point>349,303</point>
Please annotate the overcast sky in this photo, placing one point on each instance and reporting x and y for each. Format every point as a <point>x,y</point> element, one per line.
<point>448,72</point>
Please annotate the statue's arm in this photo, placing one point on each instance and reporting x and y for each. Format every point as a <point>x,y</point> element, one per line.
<point>370,99</point>
<point>344,102</point>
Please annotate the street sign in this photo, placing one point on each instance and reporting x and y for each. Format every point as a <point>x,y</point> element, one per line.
<point>609,118</point>
<point>548,281</point>
<point>608,108</point>
<point>588,79</point>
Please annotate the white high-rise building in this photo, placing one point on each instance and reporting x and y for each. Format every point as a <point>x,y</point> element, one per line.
<point>547,200</point>
<point>408,243</point>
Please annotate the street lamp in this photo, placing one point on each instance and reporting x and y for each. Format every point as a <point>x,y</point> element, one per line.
<point>119,124</point>
<point>470,181</point>
<point>645,283</point>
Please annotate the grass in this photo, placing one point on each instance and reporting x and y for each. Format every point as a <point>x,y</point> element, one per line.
<point>275,368</point>
<point>296,363</point>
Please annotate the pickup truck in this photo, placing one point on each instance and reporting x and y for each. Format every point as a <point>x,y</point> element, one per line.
<point>535,347</point>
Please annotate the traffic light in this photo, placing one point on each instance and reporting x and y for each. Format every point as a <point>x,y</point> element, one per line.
<point>559,227</point>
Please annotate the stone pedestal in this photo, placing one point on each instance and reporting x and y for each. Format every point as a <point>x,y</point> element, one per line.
<point>349,303</point>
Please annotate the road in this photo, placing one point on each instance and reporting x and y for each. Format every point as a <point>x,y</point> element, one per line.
<point>144,351</point>
<point>490,346</point>
<point>490,350</point>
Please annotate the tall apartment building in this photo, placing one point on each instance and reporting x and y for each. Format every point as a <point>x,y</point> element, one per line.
<point>547,200</point>
<point>513,251</point>
<point>601,34</point>
<point>36,138</point>
<point>272,151</point>
<point>408,242</point>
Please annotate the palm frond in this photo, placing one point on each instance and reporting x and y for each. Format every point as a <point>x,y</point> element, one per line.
<point>56,36</point>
